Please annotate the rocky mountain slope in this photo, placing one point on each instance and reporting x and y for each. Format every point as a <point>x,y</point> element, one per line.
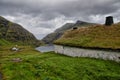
<point>50,38</point>
<point>15,33</point>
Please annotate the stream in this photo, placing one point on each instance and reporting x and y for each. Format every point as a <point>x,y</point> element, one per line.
<point>45,48</point>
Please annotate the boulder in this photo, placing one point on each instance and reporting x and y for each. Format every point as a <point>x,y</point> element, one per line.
<point>15,49</point>
<point>16,59</point>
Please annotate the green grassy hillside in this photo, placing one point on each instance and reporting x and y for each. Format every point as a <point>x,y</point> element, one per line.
<point>50,66</point>
<point>15,33</point>
<point>99,36</point>
<point>4,42</point>
<point>50,38</point>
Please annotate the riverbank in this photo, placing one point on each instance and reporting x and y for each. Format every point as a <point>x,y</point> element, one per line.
<point>30,64</point>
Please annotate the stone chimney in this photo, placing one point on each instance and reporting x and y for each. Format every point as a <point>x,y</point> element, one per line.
<point>109,21</point>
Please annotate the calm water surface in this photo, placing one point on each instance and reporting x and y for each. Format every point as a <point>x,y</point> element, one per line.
<point>46,48</point>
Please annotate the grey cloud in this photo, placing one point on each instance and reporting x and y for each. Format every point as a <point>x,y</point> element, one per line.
<point>43,13</point>
<point>67,8</point>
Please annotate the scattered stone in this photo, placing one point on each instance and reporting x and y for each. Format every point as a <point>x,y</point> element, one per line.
<point>17,60</point>
<point>14,49</point>
<point>109,21</point>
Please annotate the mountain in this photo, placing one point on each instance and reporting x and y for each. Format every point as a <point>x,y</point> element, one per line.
<point>97,37</point>
<point>50,38</point>
<point>64,27</point>
<point>15,33</point>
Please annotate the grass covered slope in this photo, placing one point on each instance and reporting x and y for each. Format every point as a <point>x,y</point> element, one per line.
<point>50,38</point>
<point>15,33</point>
<point>99,36</point>
<point>4,42</point>
<point>51,66</point>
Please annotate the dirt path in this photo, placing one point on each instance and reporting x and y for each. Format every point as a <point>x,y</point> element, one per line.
<point>0,76</point>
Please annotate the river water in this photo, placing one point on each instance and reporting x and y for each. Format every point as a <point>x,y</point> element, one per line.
<point>46,48</point>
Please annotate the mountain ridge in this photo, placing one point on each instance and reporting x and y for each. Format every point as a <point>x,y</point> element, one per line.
<point>15,33</point>
<point>50,38</point>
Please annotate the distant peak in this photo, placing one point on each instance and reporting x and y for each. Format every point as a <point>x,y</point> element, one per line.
<point>2,18</point>
<point>79,22</point>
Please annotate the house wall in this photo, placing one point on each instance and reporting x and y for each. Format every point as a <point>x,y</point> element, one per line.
<point>79,52</point>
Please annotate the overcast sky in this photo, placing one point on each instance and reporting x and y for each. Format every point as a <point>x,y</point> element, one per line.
<point>44,16</point>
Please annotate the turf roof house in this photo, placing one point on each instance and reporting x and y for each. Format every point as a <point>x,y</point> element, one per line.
<point>92,53</point>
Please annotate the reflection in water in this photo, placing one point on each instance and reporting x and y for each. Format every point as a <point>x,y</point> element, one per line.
<point>46,48</point>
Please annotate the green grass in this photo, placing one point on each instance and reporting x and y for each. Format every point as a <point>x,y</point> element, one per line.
<point>51,66</point>
<point>4,42</point>
<point>99,36</point>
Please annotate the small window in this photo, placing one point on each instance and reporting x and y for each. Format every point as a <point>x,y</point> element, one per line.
<point>118,57</point>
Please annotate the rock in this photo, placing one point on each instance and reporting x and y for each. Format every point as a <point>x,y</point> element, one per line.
<point>15,49</point>
<point>16,59</point>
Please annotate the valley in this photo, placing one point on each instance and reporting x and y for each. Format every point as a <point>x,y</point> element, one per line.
<point>28,63</point>
<point>31,64</point>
